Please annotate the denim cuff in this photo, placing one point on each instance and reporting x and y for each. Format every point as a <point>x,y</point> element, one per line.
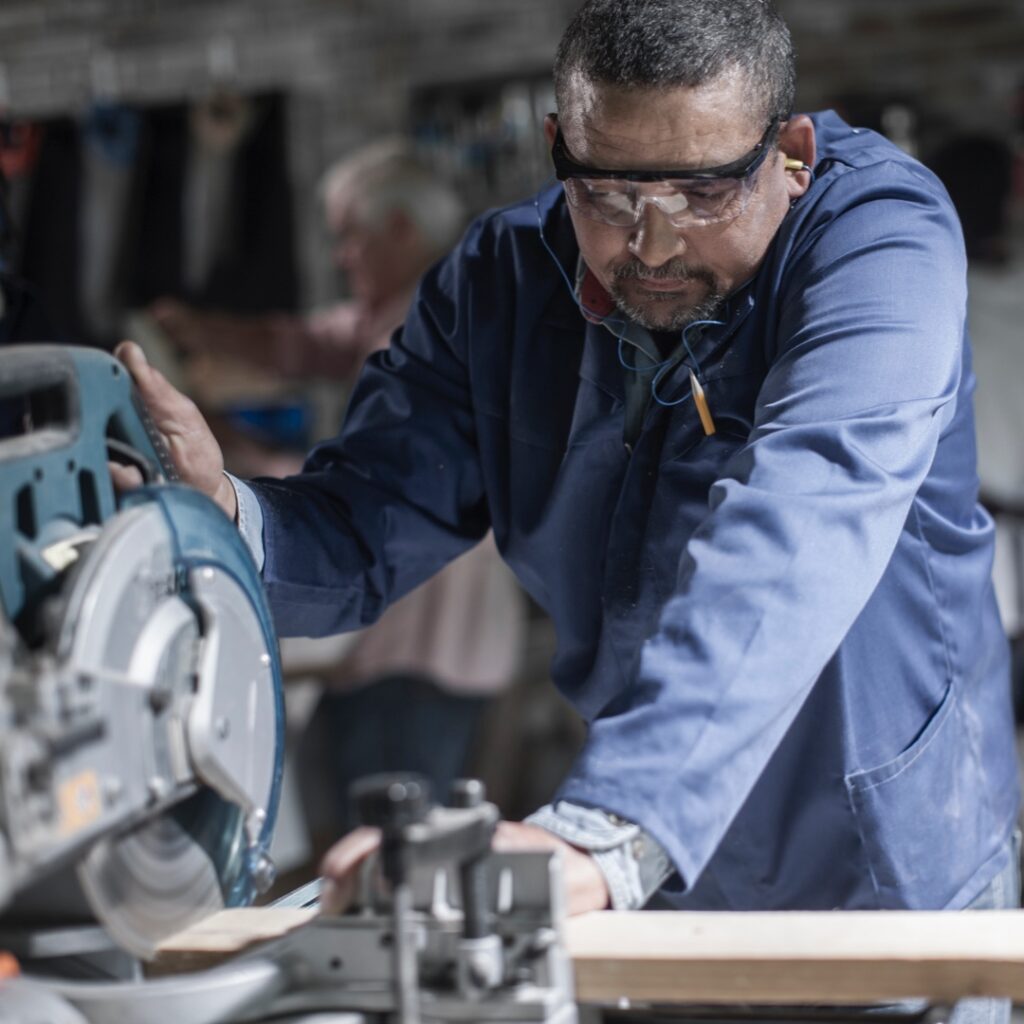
<point>249,520</point>
<point>633,863</point>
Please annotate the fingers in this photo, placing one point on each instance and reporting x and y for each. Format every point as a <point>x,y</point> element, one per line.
<point>172,412</point>
<point>340,868</point>
<point>194,450</point>
<point>585,885</point>
<point>125,478</point>
<point>133,358</point>
<point>515,835</point>
<point>129,353</point>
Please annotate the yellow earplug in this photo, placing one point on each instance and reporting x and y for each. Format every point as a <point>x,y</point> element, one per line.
<point>793,165</point>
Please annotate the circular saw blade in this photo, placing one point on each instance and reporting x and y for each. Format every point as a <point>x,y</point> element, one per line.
<point>126,613</point>
<point>151,882</point>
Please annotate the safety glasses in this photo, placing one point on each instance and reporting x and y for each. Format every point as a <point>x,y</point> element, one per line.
<point>688,198</point>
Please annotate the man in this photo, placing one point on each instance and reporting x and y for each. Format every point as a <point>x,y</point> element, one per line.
<point>757,535</point>
<point>390,218</point>
<point>427,665</point>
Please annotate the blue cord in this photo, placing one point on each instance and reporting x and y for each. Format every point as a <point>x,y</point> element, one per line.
<point>633,368</point>
<point>662,367</point>
<point>686,343</point>
<point>565,277</point>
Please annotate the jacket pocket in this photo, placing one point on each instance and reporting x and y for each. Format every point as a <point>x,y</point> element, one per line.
<point>731,402</point>
<point>924,817</point>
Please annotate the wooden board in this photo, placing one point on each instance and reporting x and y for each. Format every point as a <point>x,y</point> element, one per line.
<point>796,957</point>
<point>682,957</point>
<point>225,934</point>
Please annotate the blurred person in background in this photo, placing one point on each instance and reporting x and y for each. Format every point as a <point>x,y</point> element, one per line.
<point>390,217</point>
<point>426,668</point>
<point>978,172</point>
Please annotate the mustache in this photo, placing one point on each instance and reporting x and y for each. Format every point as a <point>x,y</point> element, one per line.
<point>675,270</point>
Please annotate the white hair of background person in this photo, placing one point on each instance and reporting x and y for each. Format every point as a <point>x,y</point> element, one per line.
<point>387,175</point>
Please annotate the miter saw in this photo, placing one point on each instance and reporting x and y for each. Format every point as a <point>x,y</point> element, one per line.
<point>141,714</point>
<point>141,735</point>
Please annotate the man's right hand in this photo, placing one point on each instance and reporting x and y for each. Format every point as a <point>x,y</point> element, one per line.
<point>194,450</point>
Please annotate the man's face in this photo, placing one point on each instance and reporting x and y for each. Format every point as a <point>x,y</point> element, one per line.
<point>363,252</point>
<point>661,275</point>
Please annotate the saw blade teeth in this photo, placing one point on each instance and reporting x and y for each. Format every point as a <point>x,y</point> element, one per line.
<point>149,884</point>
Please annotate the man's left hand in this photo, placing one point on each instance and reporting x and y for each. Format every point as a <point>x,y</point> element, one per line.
<point>585,887</point>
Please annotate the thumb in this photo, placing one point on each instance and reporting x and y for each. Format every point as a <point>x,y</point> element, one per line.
<point>134,361</point>
<point>194,449</point>
<point>340,868</point>
<point>172,412</point>
<point>131,355</point>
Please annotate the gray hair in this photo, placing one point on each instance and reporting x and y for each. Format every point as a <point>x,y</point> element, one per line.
<point>388,175</point>
<point>670,43</point>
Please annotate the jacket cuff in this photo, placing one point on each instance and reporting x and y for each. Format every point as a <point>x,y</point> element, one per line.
<point>249,520</point>
<point>633,863</point>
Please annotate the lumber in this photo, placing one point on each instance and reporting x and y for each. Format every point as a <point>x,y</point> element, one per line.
<point>796,957</point>
<point>224,934</point>
<point>682,957</point>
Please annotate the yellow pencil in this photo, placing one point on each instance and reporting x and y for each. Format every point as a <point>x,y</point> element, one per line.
<point>701,402</point>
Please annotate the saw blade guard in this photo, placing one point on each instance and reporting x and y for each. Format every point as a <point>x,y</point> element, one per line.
<point>207,546</point>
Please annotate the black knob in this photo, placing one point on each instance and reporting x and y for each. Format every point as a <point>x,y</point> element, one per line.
<point>391,802</point>
<point>467,793</point>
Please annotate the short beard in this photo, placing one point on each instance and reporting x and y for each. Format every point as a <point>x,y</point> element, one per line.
<point>677,319</point>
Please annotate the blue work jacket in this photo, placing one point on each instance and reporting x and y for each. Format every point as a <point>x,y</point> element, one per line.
<point>782,636</point>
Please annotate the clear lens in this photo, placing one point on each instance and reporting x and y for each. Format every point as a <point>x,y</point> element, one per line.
<point>685,203</point>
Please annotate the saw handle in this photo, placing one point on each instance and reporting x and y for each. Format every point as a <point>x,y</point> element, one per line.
<point>39,409</point>
<point>61,400</point>
<point>65,412</point>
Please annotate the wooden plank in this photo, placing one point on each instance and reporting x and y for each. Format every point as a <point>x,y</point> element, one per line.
<point>688,957</point>
<point>796,957</point>
<point>224,934</point>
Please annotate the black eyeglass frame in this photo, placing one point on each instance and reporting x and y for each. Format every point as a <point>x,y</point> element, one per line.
<point>740,169</point>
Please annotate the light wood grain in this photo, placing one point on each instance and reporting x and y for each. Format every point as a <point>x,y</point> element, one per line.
<point>841,957</point>
<point>225,934</point>
<point>796,957</point>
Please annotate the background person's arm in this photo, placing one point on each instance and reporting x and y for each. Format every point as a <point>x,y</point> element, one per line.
<point>329,343</point>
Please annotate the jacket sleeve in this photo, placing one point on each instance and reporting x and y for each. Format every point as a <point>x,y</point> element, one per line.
<point>802,521</point>
<point>398,493</point>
